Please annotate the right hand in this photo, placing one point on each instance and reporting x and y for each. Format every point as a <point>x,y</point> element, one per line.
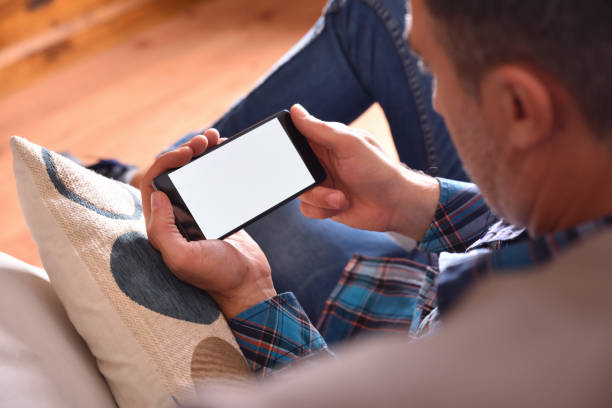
<point>365,188</point>
<point>234,271</point>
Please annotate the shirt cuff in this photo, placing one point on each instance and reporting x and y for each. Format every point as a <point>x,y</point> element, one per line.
<point>461,218</point>
<point>276,333</point>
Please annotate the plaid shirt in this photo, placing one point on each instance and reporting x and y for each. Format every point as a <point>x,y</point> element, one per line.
<point>465,243</point>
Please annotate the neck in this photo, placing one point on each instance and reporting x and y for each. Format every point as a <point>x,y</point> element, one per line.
<point>571,188</point>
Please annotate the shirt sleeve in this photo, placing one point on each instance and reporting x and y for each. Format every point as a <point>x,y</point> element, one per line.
<point>275,334</point>
<point>461,218</point>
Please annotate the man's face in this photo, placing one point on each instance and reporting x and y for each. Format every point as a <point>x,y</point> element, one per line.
<point>473,138</point>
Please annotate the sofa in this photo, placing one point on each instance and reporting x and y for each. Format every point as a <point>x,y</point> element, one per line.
<point>45,362</point>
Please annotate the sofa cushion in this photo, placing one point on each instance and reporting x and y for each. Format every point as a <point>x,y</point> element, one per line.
<point>150,332</point>
<point>44,361</point>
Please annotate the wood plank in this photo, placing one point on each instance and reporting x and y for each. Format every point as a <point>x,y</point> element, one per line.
<point>21,19</point>
<point>63,32</point>
<point>98,31</point>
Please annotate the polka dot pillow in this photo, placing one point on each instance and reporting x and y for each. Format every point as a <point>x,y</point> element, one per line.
<point>156,338</point>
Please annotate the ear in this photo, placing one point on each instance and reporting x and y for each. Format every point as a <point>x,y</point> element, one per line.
<point>517,105</point>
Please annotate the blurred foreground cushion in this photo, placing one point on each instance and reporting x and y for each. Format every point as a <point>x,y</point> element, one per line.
<point>156,338</point>
<point>44,362</point>
<point>530,340</point>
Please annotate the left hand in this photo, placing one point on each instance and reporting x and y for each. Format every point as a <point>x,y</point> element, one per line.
<point>364,189</point>
<point>235,272</point>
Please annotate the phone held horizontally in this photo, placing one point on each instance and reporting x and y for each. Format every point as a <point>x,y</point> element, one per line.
<point>237,182</point>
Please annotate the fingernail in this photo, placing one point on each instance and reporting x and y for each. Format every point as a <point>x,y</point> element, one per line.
<point>155,201</point>
<point>301,110</point>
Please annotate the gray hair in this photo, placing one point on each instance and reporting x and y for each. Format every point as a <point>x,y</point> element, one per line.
<point>568,39</point>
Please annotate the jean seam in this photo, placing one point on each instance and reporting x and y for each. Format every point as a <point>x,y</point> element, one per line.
<point>410,70</point>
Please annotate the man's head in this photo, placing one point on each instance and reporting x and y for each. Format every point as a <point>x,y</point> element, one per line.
<point>525,88</point>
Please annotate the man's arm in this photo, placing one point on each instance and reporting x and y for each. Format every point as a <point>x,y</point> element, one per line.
<point>272,330</point>
<point>367,190</point>
<point>461,218</point>
<point>276,333</point>
<point>234,271</point>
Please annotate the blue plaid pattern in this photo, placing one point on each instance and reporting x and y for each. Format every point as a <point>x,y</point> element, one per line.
<point>379,295</point>
<point>489,256</point>
<point>481,244</point>
<point>275,333</point>
<point>465,243</point>
<point>461,218</point>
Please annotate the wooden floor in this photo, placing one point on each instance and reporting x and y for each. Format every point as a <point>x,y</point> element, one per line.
<point>131,100</point>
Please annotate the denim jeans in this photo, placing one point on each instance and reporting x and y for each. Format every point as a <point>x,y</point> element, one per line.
<point>353,56</point>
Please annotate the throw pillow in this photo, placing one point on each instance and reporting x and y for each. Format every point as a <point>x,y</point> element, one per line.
<point>154,336</point>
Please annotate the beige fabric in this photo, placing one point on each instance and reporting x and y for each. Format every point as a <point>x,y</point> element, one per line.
<point>43,360</point>
<point>145,355</point>
<point>535,340</point>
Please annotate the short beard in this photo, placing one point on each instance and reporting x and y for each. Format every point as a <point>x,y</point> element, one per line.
<point>479,153</point>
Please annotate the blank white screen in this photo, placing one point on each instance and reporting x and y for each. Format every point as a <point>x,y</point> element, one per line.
<point>238,181</point>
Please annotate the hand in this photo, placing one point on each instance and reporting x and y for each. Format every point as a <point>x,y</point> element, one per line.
<point>365,189</point>
<point>235,272</point>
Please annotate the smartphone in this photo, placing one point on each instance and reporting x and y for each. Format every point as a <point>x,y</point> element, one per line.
<point>242,179</point>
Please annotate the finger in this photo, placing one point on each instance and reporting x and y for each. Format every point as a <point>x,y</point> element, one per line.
<point>167,161</point>
<point>161,228</point>
<point>213,136</point>
<point>330,135</point>
<point>317,212</point>
<point>373,142</point>
<point>137,178</point>
<point>201,263</point>
<point>165,236</point>
<point>198,144</point>
<point>318,149</point>
<point>327,198</point>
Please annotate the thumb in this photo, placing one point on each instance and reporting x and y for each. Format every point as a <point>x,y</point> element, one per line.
<point>161,229</point>
<point>326,134</point>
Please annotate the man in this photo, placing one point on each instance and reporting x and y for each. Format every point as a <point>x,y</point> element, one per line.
<point>534,135</point>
